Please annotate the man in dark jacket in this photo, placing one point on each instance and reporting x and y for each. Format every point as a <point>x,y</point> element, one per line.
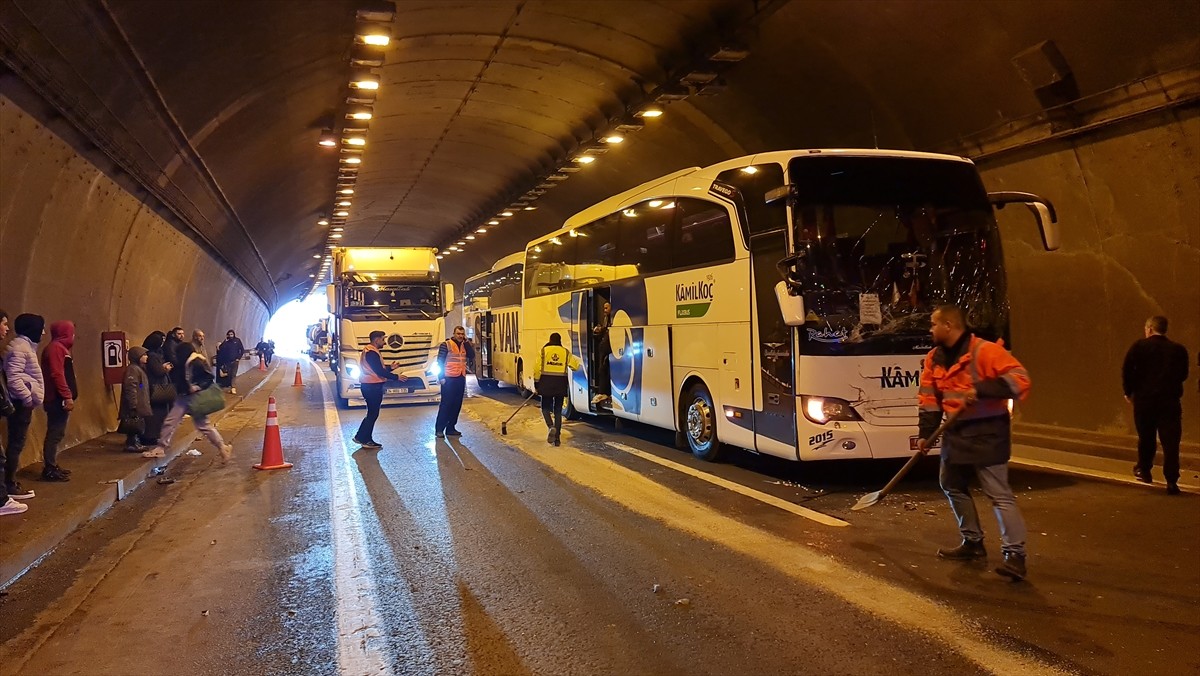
<point>61,393</point>
<point>1152,376</point>
<point>229,354</point>
<point>455,357</point>
<point>372,380</point>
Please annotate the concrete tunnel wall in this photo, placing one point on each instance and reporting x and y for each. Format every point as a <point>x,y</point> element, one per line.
<point>75,244</point>
<point>1127,200</point>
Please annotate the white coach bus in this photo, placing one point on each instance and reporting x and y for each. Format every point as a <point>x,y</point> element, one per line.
<point>491,316</point>
<point>778,302</point>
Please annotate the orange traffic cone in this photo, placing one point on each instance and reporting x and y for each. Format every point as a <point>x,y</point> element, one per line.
<point>298,382</point>
<point>262,363</point>
<point>272,457</point>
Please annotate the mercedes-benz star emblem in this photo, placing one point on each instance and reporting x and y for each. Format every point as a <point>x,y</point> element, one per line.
<point>395,341</point>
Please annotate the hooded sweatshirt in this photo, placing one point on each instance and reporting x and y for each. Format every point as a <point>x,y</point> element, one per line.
<point>135,391</point>
<point>26,385</point>
<point>58,365</point>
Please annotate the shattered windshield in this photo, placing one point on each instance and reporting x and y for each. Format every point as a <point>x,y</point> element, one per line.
<point>393,301</point>
<point>883,242</point>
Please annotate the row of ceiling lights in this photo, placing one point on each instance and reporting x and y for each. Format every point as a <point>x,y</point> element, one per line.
<point>372,35</point>
<point>704,79</point>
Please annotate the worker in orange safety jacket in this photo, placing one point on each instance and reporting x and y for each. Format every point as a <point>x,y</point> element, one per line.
<point>978,379</point>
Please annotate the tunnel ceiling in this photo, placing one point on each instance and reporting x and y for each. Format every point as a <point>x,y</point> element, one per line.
<point>216,107</point>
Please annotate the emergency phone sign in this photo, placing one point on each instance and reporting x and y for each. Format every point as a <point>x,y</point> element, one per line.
<point>112,356</point>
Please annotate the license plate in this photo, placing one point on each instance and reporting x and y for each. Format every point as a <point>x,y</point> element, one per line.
<point>912,443</point>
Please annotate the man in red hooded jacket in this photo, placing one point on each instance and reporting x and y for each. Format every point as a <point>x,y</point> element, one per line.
<point>61,392</point>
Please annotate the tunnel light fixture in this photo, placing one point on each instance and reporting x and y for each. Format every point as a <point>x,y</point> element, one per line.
<point>364,80</point>
<point>344,203</point>
<point>373,34</point>
<point>351,160</point>
<point>313,276</point>
<point>360,113</point>
<point>323,221</point>
<point>614,139</point>
<point>647,112</point>
<point>750,170</point>
<point>337,229</point>
<point>341,213</point>
<point>481,230</point>
<point>346,191</point>
<point>461,243</point>
<point>630,125</point>
<point>506,214</point>
<point>730,53</point>
<point>454,248</point>
<point>327,138</point>
<point>585,159</point>
<point>355,141</point>
<point>316,255</point>
<point>469,237</point>
<point>336,235</point>
<point>530,209</point>
<point>493,222</point>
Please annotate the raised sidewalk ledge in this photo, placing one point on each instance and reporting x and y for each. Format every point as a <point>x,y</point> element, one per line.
<point>1088,443</point>
<point>59,508</point>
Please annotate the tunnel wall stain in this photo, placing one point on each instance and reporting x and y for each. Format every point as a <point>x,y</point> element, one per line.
<point>1128,200</point>
<point>76,245</point>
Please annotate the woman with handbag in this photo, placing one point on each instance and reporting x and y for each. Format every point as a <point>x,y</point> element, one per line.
<point>162,390</point>
<point>135,400</point>
<point>199,396</point>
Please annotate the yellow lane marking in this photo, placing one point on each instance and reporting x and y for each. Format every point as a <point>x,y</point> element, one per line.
<point>879,598</point>
<point>361,644</point>
<point>733,486</point>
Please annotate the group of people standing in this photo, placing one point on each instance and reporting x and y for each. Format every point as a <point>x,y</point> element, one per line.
<point>164,375</point>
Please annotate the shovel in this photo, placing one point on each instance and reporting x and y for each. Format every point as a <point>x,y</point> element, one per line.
<point>504,425</point>
<point>872,498</point>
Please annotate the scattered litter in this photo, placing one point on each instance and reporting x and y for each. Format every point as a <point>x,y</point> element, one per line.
<point>157,471</point>
<point>656,588</point>
<point>193,452</point>
<point>204,613</point>
<point>683,602</point>
<point>910,506</point>
<point>883,565</point>
<point>291,613</point>
<point>213,542</point>
<point>931,512</point>
<point>1043,533</point>
<point>166,480</point>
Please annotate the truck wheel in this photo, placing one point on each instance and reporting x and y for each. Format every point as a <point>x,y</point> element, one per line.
<point>700,424</point>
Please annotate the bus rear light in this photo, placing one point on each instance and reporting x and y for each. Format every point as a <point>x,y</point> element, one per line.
<point>821,410</point>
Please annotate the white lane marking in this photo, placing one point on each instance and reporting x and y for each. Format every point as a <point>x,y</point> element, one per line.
<point>1094,474</point>
<point>885,600</point>
<point>733,486</point>
<point>361,644</point>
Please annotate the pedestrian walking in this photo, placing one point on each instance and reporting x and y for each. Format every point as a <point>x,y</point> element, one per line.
<point>229,355</point>
<point>1152,376</point>
<point>372,381</point>
<point>977,379</point>
<point>191,375</point>
<point>8,505</point>
<point>162,390</point>
<point>61,393</point>
<point>454,357</point>
<point>27,389</point>
<point>135,400</point>
<point>550,377</point>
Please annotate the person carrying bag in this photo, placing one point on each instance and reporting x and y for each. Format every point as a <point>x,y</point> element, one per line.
<point>135,400</point>
<point>203,398</point>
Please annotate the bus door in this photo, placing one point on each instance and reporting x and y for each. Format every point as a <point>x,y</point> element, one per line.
<point>773,349</point>
<point>590,303</point>
<point>485,334</point>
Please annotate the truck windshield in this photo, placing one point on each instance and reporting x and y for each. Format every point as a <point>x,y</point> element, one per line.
<point>885,240</point>
<point>393,301</point>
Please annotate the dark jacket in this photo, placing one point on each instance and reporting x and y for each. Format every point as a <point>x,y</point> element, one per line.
<point>196,372</point>
<point>135,389</point>
<point>230,350</point>
<point>1155,369</point>
<point>58,367</point>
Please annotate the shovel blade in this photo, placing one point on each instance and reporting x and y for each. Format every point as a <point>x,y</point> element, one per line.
<point>866,501</point>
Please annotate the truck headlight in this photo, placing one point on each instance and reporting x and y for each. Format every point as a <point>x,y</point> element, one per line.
<point>352,369</point>
<point>433,371</point>
<point>823,409</point>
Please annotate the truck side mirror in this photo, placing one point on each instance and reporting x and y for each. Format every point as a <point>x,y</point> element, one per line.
<point>448,292</point>
<point>331,298</point>
<point>791,307</point>
<point>1042,210</point>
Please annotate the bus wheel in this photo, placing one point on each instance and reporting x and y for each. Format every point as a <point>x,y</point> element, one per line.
<point>569,412</point>
<point>343,403</point>
<point>521,381</point>
<point>700,424</point>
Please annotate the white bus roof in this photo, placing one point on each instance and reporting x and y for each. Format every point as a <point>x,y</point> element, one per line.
<point>517,257</point>
<point>708,174</point>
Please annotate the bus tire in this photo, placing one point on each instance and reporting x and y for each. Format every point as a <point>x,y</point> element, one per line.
<point>569,412</point>
<point>343,403</point>
<point>699,424</point>
<point>521,381</point>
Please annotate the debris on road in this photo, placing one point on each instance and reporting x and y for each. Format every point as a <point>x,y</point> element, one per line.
<point>193,452</point>
<point>683,602</point>
<point>204,613</point>
<point>910,506</point>
<point>166,480</point>
<point>931,512</point>
<point>158,470</point>
<point>656,589</point>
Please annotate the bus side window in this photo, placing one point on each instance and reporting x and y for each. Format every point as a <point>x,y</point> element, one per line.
<point>703,234</point>
<point>646,237</point>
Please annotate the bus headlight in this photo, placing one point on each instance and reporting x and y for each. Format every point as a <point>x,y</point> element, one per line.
<point>823,409</point>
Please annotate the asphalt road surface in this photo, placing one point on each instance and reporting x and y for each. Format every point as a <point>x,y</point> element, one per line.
<point>612,554</point>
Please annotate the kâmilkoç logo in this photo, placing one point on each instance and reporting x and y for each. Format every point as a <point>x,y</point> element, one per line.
<point>693,300</point>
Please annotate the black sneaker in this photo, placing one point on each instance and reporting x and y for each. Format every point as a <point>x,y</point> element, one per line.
<point>1013,567</point>
<point>52,473</point>
<point>1142,475</point>
<point>439,433</point>
<point>1172,488</point>
<point>556,442</point>
<point>550,437</point>
<point>62,469</point>
<point>358,441</point>
<point>372,444</point>
<point>453,433</point>
<point>967,551</point>
<point>17,493</point>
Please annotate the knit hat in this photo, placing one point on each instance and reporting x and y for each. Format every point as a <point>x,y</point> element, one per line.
<point>136,353</point>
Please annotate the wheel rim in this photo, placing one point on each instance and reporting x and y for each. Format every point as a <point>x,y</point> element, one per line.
<point>699,422</point>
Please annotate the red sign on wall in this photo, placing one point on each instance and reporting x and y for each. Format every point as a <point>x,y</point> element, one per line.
<point>112,356</point>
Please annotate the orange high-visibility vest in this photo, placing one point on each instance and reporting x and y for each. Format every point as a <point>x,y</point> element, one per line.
<point>369,377</point>
<point>456,359</point>
<point>945,389</point>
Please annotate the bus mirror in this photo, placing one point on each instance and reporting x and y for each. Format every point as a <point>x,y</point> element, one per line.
<point>791,307</point>
<point>1042,210</point>
<point>331,298</point>
<point>448,290</point>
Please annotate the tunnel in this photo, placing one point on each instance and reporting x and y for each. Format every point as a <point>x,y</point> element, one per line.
<point>161,164</point>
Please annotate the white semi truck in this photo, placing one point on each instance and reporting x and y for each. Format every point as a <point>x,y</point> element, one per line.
<point>398,291</point>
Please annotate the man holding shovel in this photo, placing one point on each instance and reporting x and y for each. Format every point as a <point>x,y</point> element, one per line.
<point>976,379</point>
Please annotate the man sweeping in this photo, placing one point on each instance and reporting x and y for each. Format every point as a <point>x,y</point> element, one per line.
<point>977,377</point>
